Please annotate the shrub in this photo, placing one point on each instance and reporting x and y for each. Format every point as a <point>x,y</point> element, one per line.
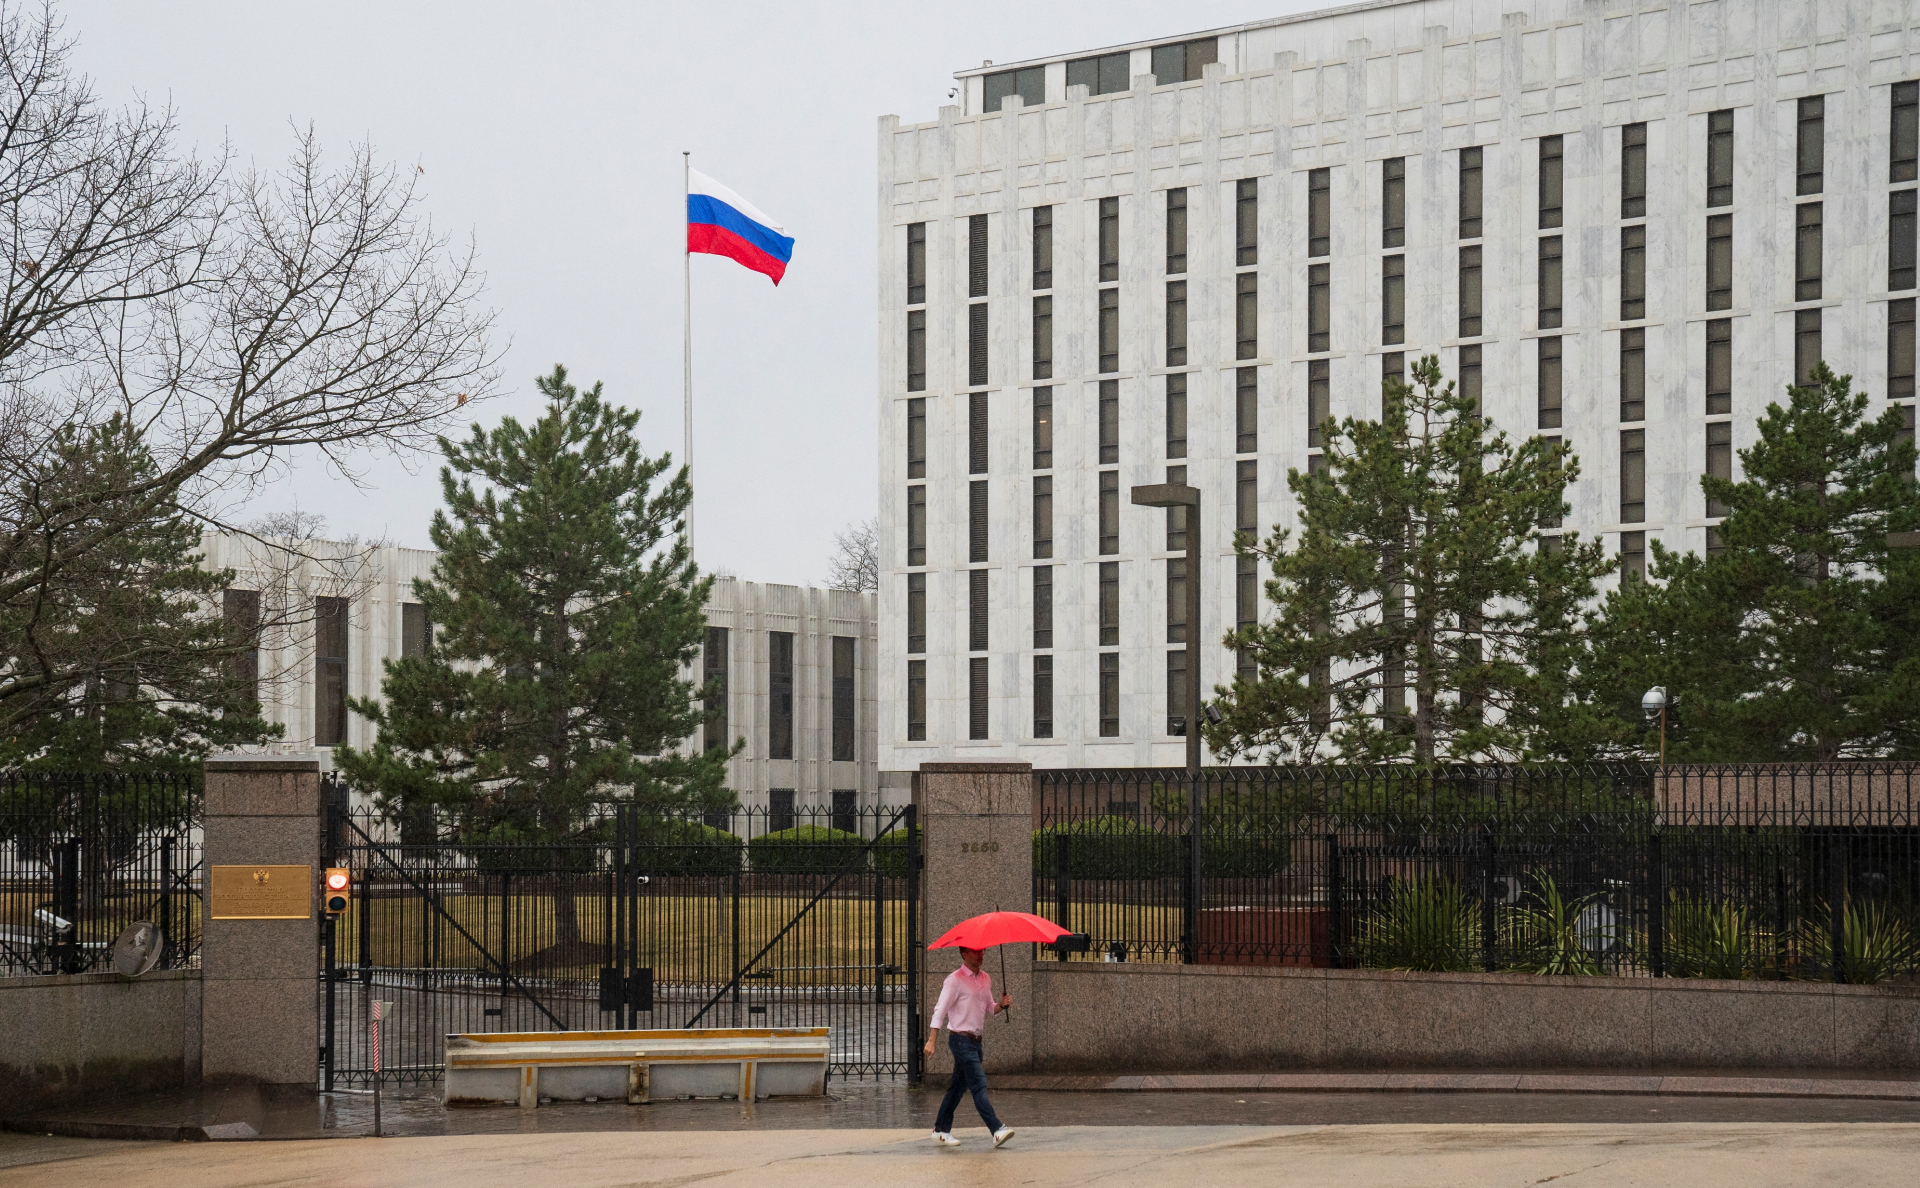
<point>1426,924</point>
<point>1875,944</point>
<point>807,849</point>
<point>1108,848</point>
<point>678,847</point>
<point>1709,940</point>
<point>890,854</point>
<point>1252,850</point>
<point>1555,934</point>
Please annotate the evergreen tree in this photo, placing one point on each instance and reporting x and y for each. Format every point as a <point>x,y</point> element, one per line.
<point>566,606</point>
<point>1420,614</point>
<point>1798,637</point>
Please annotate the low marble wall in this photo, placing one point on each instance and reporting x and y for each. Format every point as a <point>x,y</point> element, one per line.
<point>68,1037</point>
<point>1166,1018</point>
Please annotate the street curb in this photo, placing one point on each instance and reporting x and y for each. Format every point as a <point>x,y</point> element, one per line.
<point>1640,1086</point>
<point>151,1131</point>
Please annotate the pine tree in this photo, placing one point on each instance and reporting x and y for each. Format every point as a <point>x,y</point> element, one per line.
<point>1798,638</point>
<point>1420,614</point>
<point>566,606</point>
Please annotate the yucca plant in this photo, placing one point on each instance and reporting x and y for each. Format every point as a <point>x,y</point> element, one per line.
<point>1876,943</point>
<point>1709,940</point>
<point>1547,934</point>
<point>1427,923</point>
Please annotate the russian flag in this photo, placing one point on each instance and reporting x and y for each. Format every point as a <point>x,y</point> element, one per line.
<point>721,223</point>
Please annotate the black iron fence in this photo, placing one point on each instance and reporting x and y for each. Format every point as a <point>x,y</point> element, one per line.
<point>84,856</point>
<point>786,918</point>
<point>1767,871</point>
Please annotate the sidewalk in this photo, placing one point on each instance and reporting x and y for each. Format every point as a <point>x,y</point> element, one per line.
<point>1850,1088</point>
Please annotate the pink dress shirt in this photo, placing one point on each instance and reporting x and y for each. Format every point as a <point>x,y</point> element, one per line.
<point>966,999</point>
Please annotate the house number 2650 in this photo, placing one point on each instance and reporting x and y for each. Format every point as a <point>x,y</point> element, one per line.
<point>979,847</point>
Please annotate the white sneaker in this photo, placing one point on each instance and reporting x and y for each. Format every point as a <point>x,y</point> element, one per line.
<point>942,1138</point>
<point>1002,1135</point>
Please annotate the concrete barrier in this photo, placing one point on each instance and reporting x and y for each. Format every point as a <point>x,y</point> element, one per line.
<point>637,1067</point>
<point>68,1037</point>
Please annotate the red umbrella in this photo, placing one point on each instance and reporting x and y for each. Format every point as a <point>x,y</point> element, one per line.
<point>1000,928</point>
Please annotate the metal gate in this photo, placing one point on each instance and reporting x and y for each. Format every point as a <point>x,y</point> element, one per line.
<point>798,918</point>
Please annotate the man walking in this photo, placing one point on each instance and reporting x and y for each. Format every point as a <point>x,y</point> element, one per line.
<point>966,999</point>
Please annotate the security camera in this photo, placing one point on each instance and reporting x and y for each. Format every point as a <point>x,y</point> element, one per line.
<point>1214,715</point>
<point>52,921</point>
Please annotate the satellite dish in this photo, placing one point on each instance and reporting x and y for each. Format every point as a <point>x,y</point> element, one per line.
<point>136,950</point>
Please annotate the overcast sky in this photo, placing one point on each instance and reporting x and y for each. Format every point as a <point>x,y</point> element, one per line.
<point>551,133</point>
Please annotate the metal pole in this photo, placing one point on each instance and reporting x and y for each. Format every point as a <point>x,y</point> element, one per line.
<point>1062,883</point>
<point>166,903</point>
<point>915,1071</point>
<point>1657,927</point>
<point>686,346</point>
<point>1194,797</point>
<point>326,972</point>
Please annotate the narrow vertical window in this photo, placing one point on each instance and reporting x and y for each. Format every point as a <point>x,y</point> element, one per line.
<point>1719,366</point>
<point>1043,515</point>
<point>330,634</point>
<point>916,350</point>
<point>1806,345</point>
<point>917,437</point>
<point>1633,375</point>
<point>1470,292</point>
<point>1719,460</point>
<point>1553,177</point>
<point>1043,428</point>
<point>1806,251</point>
<point>916,612</point>
<point>1246,316</point>
<point>1319,213</point>
<point>843,700</point>
<point>977,609</point>
<point>1109,239</point>
<point>977,521</point>
<point>1393,202</point>
<point>1720,158</point>
<point>1900,239</point>
<point>1900,349</point>
<point>1246,495</point>
<point>916,700</point>
<point>1810,145</point>
<point>977,697</point>
<point>1246,222</point>
<point>1319,307</point>
<point>1176,232</point>
<point>1109,330</point>
<point>779,694</point>
<point>1905,132</point>
<point>1177,416</point>
<point>976,433</point>
<point>1042,338</point>
<point>1109,695</point>
<point>416,631</point>
<point>1393,299</point>
<point>1043,606</point>
<point>1319,400</point>
<point>1043,247</point>
<point>1176,516</point>
<point>1633,476</point>
<point>1109,421</point>
<point>1719,261</point>
<point>1470,376</point>
<point>1109,512</point>
<point>1547,375</point>
<point>1246,610</point>
<point>1393,369</point>
<point>1109,604</point>
<point>977,345</point>
<point>976,255</point>
<point>1176,600</point>
<point>1246,409</point>
<point>1549,282</point>
<point>1552,518</point>
<point>1633,556</point>
<point>1177,692</point>
<point>916,525</point>
<point>1633,171</point>
<point>1470,192</point>
<point>916,263</point>
<point>1176,323</point>
<point>1043,697</point>
<point>240,614</point>
<point>1633,272</point>
<point>714,732</point>
<point>780,812</point>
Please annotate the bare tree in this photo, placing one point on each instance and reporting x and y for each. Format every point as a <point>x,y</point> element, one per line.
<point>230,320</point>
<point>855,564</point>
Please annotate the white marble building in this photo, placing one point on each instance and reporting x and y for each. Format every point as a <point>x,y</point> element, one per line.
<point>1679,207</point>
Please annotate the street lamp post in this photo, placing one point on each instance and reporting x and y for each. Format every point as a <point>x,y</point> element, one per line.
<point>1654,703</point>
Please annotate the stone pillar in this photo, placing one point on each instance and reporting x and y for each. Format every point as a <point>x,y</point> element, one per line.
<point>978,841</point>
<point>259,1019</point>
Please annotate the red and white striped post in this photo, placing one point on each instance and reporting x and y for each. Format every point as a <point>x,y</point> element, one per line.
<point>374,1023</point>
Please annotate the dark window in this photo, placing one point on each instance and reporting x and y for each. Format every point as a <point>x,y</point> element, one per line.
<point>1319,307</point>
<point>977,610</point>
<point>916,700</point>
<point>1633,556</point>
<point>1183,61</point>
<point>1470,375</point>
<point>1553,177</point>
<point>1633,476</point>
<point>1042,515</point>
<point>1176,232</point>
<point>416,632</point>
<point>240,612</point>
<point>1246,495</point>
<point>1393,370</point>
<point>1246,221</point>
<point>917,437</point>
<point>916,612</point>
<point>1393,299</point>
<point>1109,330</point>
<point>1246,402</point>
<point>1633,375</point>
<point>977,344</point>
<point>1806,251</point>
<point>976,255</point>
<point>1043,247</point>
<point>1393,202</point>
<point>1319,212</point>
<point>1109,239</point>
<point>1633,272</point>
<point>1043,428</point>
<point>1806,345</point>
<point>1177,691</point>
<point>1109,421</point>
<point>1109,695</point>
<point>714,732</point>
<point>916,525</point>
<point>916,263</point>
<point>1549,382</point>
<point>1470,292</point>
<point>1030,84</point>
<point>1176,516</point>
<point>1900,240</point>
<point>1176,416</point>
<point>1906,132</point>
<point>1719,261</point>
<point>1101,76</point>
<point>1246,609</point>
<point>1246,316</point>
<point>1043,606</point>
<point>916,350</point>
<point>780,814</point>
<point>1905,434</point>
<point>1720,159</point>
<point>1319,400</point>
<point>779,694</point>
<point>977,521</point>
<point>976,433</point>
<point>1043,697</point>
<point>1719,460</point>
<point>1719,366</point>
<point>330,631</point>
<point>1176,323</point>
<point>1176,600</point>
<point>1043,338</point>
<point>1715,542</point>
<point>1470,192</point>
<point>1109,511</point>
<point>1810,148</point>
<point>846,812</point>
<point>1633,171</point>
<point>1109,604</point>
<point>843,703</point>
<point>1551,519</point>
<point>1549,294</point>
<point>1900,349</point>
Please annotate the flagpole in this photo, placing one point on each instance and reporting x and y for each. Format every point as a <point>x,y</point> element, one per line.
<point>686,346</point>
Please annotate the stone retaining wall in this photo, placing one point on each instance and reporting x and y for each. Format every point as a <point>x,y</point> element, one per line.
<point>66,1037</point>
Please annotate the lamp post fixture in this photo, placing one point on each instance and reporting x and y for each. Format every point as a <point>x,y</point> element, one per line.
<point>1654,704</point>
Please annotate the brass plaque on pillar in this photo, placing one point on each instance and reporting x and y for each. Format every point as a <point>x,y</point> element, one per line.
<point>262,892</point>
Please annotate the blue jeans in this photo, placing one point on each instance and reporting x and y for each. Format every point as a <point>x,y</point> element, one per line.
<point>968,1077</point>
